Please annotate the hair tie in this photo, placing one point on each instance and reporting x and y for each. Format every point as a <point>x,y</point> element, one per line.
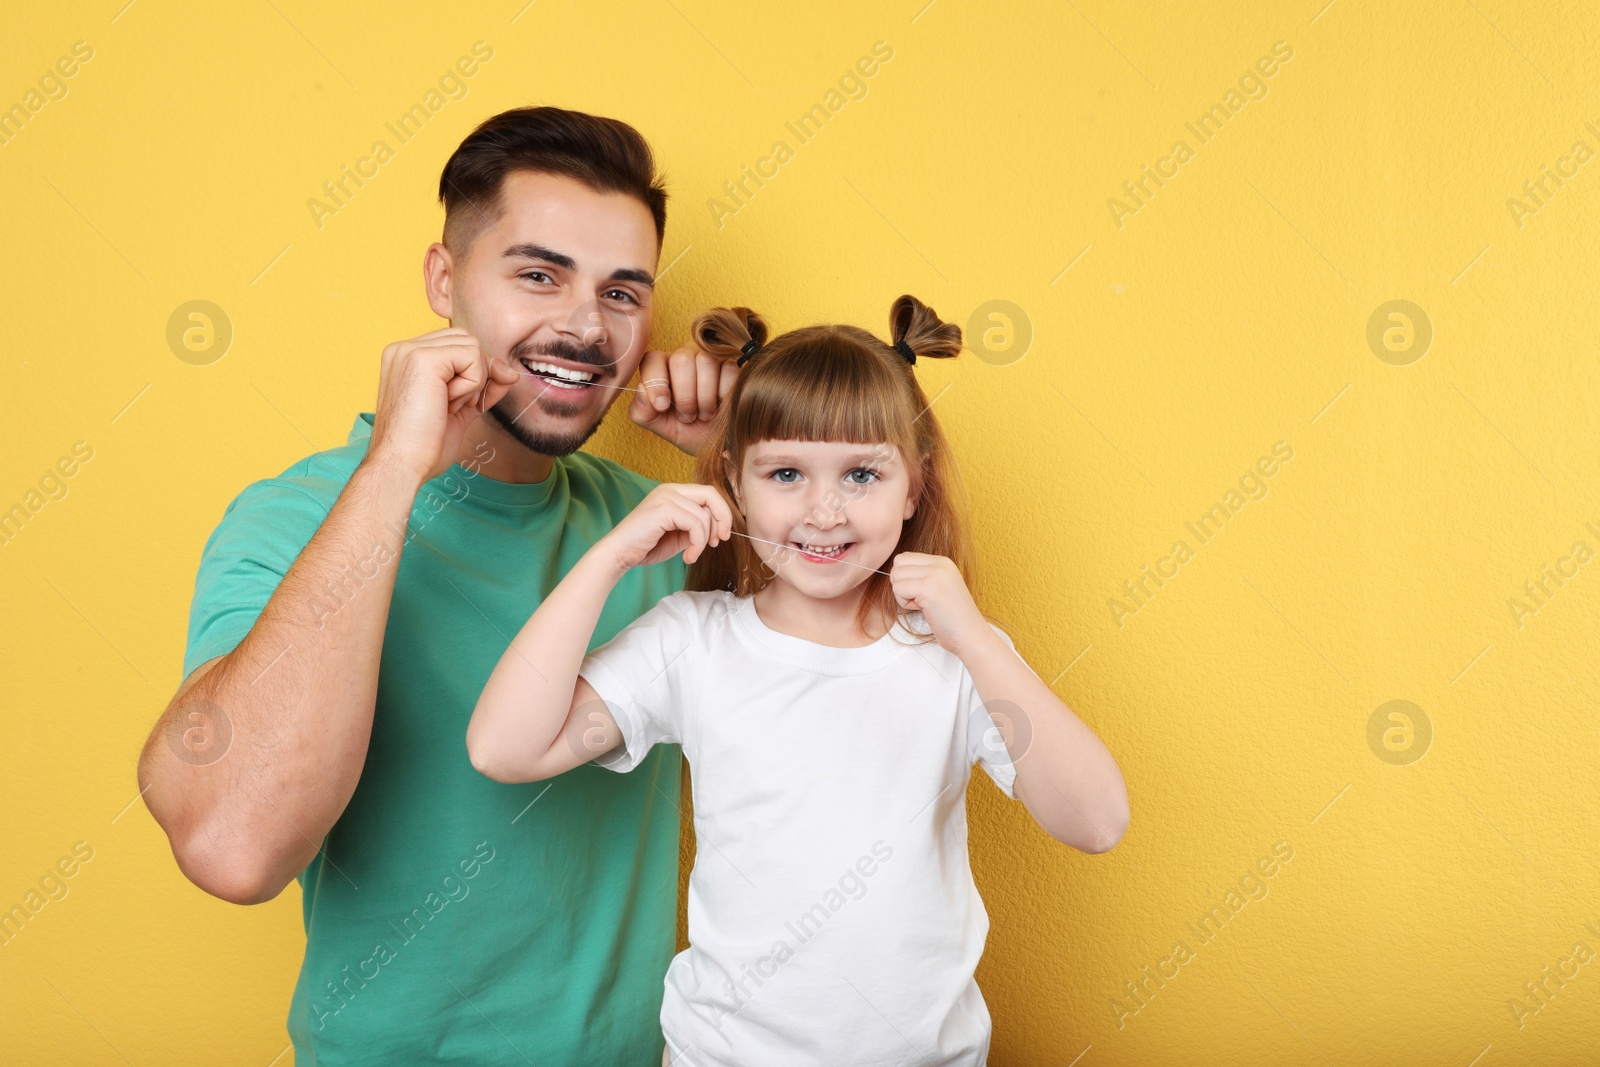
<point>749,348</point>
<point>905,350</point>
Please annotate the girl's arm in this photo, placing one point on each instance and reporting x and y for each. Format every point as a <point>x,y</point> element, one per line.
<point>1066,777</point>
<point>536,718</point>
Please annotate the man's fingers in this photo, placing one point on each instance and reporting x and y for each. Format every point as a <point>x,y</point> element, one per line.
<point>653,380</point>
<point>448,335</point>
<point>708,375</point>
<point>432,341</point>
<point>466,383</point>
<point>728,374</point>
<point>503,370</point>
<point>681,369</point>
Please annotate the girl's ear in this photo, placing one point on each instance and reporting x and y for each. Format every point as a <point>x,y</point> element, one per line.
<point>732,477</point>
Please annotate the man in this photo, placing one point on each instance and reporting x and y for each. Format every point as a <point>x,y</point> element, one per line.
<point>348,612</point>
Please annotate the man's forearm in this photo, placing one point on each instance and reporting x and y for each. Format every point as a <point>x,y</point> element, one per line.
<point>295,699</point>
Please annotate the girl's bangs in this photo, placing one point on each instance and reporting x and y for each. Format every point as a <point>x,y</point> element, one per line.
<point>822,391</point>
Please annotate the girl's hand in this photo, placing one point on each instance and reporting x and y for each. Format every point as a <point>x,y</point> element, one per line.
<point>673,518</point>
<point>933,586</point>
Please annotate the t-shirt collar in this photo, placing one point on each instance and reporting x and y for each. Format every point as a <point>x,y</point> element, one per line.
<point>823,659</point>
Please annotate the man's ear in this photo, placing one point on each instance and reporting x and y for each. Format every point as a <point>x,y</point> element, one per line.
<point>438,280</point>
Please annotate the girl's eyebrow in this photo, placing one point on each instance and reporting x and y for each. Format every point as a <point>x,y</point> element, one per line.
<point>859,457</point>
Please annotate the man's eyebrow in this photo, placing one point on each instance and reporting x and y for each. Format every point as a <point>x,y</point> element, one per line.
<point>632,274</point>
<point>566,262</point>
<point>549,255</point>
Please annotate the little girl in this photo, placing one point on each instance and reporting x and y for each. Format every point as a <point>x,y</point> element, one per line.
<point>831,682</point>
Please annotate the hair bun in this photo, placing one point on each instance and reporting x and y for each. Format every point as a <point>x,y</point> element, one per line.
<point>724,332</point>
<point>919,326</point>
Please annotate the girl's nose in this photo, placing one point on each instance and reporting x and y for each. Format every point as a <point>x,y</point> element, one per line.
<point>827,511</point>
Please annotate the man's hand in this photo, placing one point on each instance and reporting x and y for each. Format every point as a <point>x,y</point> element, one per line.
<point>681,394</point>
<point>430,389</point>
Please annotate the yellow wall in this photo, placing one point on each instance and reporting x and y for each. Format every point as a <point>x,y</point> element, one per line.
<point>1176,341</point>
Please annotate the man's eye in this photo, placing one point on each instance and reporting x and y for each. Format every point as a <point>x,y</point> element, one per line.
<point>535,276</point>
<point>626,296</point>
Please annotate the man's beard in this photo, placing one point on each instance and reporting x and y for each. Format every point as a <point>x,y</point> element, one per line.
<point>536,439</point>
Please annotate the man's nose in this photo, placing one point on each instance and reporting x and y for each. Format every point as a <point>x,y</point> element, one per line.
<point>581,321</point>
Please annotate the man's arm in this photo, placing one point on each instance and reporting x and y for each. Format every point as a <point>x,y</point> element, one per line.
<point>293,703</point>
<point>294,700</point>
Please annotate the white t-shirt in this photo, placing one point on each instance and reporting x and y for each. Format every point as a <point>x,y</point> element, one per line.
<point>832,914</point>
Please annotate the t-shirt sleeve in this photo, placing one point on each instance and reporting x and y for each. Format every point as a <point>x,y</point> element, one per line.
<point>985,743</point>
<point>644,675</point>
<point>261,534</point>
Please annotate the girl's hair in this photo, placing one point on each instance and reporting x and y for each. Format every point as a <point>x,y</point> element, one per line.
<point>833,383</point>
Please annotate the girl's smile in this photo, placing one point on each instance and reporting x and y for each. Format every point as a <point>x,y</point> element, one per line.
<point>818,553</point>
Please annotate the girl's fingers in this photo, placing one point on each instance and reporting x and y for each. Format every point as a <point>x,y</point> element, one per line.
<point>709,502</point>
<point>694,522</point>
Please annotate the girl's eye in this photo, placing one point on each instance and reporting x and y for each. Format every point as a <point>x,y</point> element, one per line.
<point>872,475</point>
<point>626,296</point>
<point>534,275</point>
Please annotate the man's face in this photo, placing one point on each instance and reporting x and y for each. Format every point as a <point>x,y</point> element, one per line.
<point>561,282</point>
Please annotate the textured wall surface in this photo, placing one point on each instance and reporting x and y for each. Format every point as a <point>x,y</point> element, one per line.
<point>1278,420</point>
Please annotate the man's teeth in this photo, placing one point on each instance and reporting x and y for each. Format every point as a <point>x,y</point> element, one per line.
<point>563,373</point>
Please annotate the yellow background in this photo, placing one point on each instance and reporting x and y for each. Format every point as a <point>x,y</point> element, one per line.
<point>1168,354</point>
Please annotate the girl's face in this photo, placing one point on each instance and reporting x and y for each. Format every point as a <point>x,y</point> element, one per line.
<point>836,508</point>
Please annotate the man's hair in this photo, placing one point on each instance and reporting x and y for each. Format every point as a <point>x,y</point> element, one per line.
<point>607,155</point>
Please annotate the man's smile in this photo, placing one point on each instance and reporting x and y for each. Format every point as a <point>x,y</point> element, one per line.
<point>559,375</point>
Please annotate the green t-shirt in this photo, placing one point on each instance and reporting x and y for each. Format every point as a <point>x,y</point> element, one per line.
<point>450,918</point>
